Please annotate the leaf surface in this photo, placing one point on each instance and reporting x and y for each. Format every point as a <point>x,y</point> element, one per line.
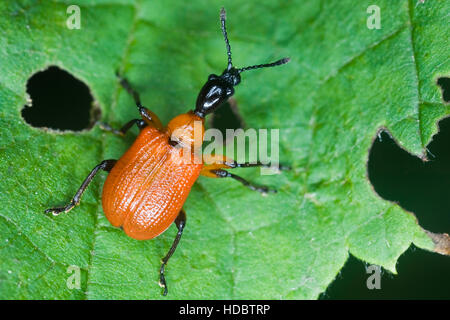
<point>344,83</point>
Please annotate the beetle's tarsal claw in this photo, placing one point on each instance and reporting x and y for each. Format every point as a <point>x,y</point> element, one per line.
<point>55,211</point>
<point>59,210</point>
<point>162,279</point>
<point>162,284</point>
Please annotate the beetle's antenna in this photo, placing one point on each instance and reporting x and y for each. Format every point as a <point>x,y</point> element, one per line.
<point>266,65</point>
<point>223,17</point>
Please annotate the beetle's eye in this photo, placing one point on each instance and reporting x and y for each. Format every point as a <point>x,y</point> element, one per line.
<point>212,77</point>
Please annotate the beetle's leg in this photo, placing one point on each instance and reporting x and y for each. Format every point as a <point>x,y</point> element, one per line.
<point>148,116</point>
<point>220,173</point>
<point>219,162</point>
<point>259,164</point>
<point>105,165</point>
<point>122,131</point>
<point>127,86</point>
<point>180,222</point>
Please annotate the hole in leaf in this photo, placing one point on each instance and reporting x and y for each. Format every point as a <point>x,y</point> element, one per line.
<point>227,117</point>
<point>420,187</point>
<point>421,275</point>
<point>59,101</point>
<point>444,83</point>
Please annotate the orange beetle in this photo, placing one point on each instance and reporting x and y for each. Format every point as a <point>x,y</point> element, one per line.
<point>146,188</point>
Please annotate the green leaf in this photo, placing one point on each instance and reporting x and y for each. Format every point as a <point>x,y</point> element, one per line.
<point>345,82</point>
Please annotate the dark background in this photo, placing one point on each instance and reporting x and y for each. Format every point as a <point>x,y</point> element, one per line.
<point>419,187</point>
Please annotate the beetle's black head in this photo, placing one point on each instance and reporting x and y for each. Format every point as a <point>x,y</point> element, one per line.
<point>218,89</point>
